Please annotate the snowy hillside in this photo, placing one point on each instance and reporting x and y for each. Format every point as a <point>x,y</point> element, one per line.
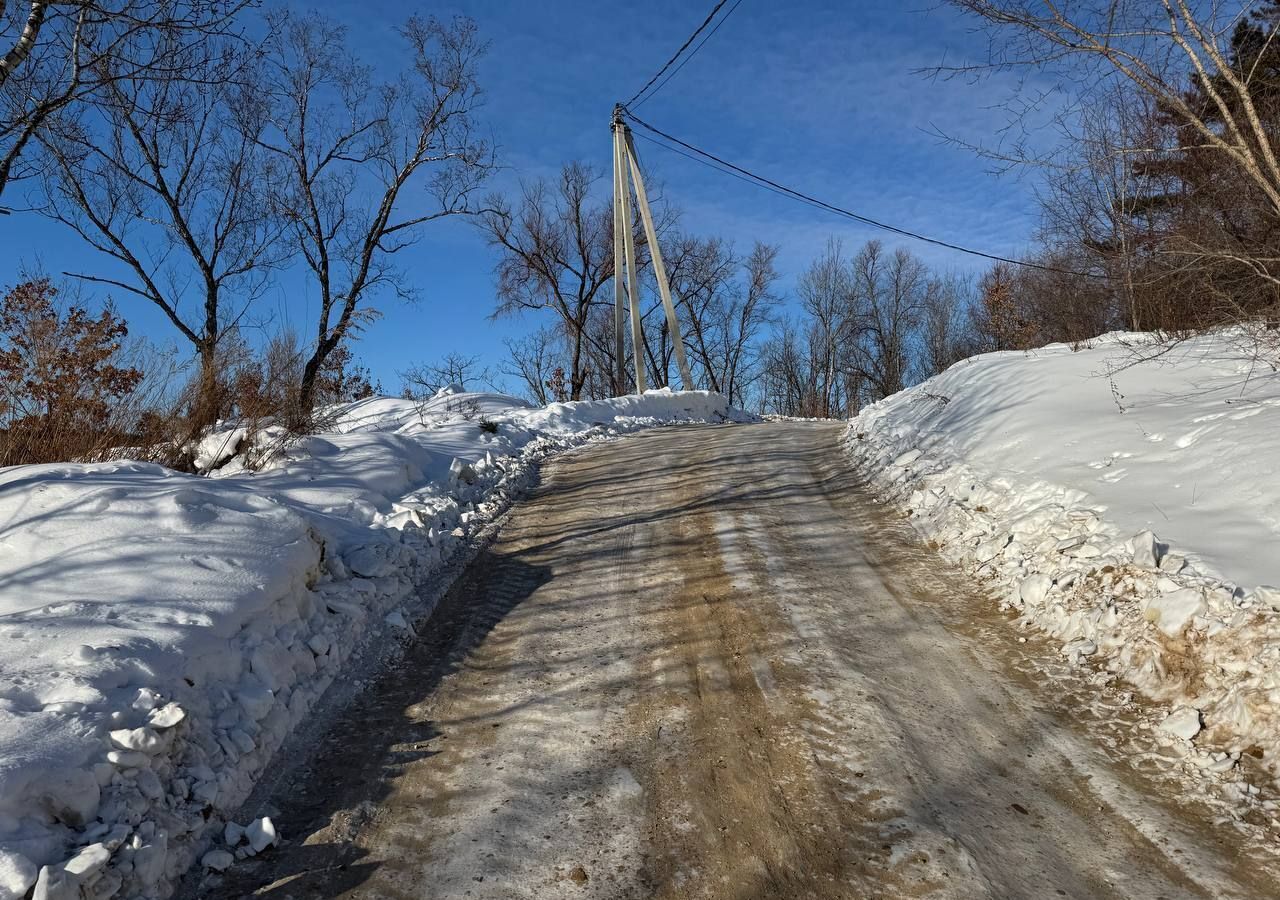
<point>1131,508</point>
<point>161,634</point>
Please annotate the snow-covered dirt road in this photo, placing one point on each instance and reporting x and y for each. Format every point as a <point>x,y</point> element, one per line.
<point>701,662</point>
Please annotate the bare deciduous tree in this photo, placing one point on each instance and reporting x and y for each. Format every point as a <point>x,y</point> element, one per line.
<point>557,255</point>
<point>57,55</point>
<point>532,361</point>
<point>1168,174</point>
<point>352,148</point>
<point>425,380</point>
<point>556,247</point>
<point>946,334</point>
<point>723,315</point>
<point>889,297</point>
<point>159,179</point>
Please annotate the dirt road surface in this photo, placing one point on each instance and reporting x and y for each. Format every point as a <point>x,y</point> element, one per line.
<point>702,663</point>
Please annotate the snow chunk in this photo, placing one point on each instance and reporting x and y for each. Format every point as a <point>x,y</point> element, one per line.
<point>1266,595</point>
<point>142,740</point>
<point>217,860</point>
<point>1172,611</point>
<point>989,550</point>
<point>371,561</point>
<point>906,459</point>
<point>87,862</point>
<point>1034,588</point>
<point>17,874</point>
<point>261,834</point>
<point>254,698</point>
<point>461,471</point>
<point>1146,550</point>
<point>232,834</point>
<point>71,796</point>
<point>1183,722</point>
<point>166,716</point>
<point>1079,647</point>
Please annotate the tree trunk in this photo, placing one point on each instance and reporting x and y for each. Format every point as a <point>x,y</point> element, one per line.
<point>576,377</point>
<point>310,377</point>
<point>307,389</point>
<point>206,409</point>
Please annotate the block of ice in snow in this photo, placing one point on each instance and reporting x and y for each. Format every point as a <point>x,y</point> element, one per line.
<point>1070,543</point>
<point>1080,647</point>
<point>1266,595</point>
<point>71,796</point>
<point>1034,588</point>
<point>217,860</point>
<point>1172,611</point>
<point>232,834</point>
<point>146,700</point>
<point>143,740</point>
<point>989,550</point>
<point>906,459</point>
<point>88,861</point>
<point>254,697</point>
<point>166,716</point>
<point>461,471</point>
<point>1146,550</point>
<point>17,874</point>
<point>370,561</point>
<point>261,834</point>
<point>1183,722</point>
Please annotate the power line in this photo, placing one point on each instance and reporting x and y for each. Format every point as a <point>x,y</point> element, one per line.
<point>683,47</point>
<point>693,52</point>
<point>728,168</point>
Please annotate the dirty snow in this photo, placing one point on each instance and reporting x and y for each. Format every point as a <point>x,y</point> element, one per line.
<point>1124,497</point>
<point>161,634</point>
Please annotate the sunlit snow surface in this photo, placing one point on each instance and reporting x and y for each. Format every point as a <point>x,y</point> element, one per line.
<point>1124,496</point>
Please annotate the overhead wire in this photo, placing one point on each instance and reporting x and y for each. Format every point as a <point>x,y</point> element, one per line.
<point>705,22</point>
<point>722,165</point>
<point>692,53</point>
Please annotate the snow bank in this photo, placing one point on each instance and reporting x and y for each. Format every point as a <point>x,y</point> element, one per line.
<point>1130,508</point>
<point>161,634</point>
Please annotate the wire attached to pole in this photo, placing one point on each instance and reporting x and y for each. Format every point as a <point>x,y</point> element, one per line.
<point>728,168</point>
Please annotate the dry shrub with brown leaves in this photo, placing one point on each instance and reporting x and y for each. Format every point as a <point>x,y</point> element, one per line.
<point>64,384</point>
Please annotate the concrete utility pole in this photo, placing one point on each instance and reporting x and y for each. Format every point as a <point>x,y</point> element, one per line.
<point>621,223</point>
<point>626,171</point>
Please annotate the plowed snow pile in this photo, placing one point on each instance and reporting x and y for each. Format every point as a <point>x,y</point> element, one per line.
<point>1130,508</point>
<point>161,633</point>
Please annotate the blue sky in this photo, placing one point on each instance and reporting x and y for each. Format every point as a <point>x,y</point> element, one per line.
<point>818,94</point>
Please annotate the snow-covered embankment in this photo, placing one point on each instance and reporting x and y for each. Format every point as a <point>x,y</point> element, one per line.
<point>1129,508</point>
<point>161,634</point>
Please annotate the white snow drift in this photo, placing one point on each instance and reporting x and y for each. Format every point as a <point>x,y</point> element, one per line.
<point>1131,508</point>
<point>161,634</point>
